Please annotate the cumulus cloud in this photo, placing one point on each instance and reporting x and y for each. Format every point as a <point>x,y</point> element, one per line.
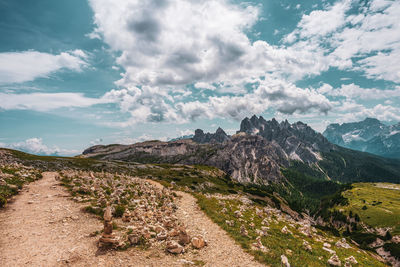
<point>36,146</point>
<point>153,104</point>
<point>46,101</point>
<point>350,111</point>
<point>18,67</point>
<point>165,45</point>
<point>172,43</point>
<point>354,91</point>
<point>354,36</point>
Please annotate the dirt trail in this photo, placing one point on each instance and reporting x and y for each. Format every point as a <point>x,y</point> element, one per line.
<point>43,227</point>
<point>222,250</point>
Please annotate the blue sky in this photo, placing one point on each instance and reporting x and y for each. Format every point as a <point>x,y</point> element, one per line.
<point>76,73</point>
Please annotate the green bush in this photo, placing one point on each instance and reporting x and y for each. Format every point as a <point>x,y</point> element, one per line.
<point>119,211</point>
<point>94,210</point>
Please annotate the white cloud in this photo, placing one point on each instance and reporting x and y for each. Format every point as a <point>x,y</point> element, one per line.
<point>18,67</point>
<point>366,41</point>
<point>36,146</point>
<point>166,45</point>
<point>153,104</point>
<point>353,91</point>
<point>203,85</point>
<point>351,111</point>
<point>322,22</point>
<point>142,138</point>
<point>175,43</point>
<point>47,101</point>
<point>186,132</point>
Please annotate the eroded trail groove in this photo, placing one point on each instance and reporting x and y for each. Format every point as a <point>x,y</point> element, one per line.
<point>44,227</point>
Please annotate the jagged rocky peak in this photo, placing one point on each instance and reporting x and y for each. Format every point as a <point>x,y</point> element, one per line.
<point>218,137</point>
<point>291,137</point>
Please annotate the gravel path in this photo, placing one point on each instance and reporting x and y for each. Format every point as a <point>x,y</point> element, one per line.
<point>43,227</point>
<point>222,249</point>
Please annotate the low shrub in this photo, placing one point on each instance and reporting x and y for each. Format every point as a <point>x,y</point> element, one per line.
<point>119,211</point>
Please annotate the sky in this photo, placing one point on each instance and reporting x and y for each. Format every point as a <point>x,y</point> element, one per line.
<point>78,73</point>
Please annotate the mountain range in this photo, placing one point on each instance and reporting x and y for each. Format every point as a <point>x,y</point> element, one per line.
<point>258,153</point>
<point>369,135</point>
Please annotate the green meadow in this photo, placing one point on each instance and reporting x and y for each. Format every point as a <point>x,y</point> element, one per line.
<point>377,204</point>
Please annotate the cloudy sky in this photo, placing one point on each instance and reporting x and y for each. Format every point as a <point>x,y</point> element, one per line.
<point>76,73</point>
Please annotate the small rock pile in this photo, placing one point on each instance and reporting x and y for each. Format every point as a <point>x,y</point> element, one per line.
<point>107,238</point>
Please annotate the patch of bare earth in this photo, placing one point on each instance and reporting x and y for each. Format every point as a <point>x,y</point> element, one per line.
<point>44,227</point>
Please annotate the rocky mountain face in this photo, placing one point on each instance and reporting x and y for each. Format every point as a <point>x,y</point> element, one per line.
<point>369,135</point>
<point>298,140</point>
<point>255,154</point>
<point>218,137</point>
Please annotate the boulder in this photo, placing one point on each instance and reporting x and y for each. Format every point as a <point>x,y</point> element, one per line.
<point>174,248</point>
<point>285,261</point>
<point>285,230</point>
<point>230,223</point>
<point>238,214</point>
<point>351,260</point>
<point>198,242</point>
<point>342,244</point>
<point>173,233</point>
<point>396,239</point>
<point>184,238</point>
<point>126,217</point>
<point>134,239</point>
<point>307,246</point>
<point>259,245</point>
<point>334,261</point>
<point>377,243</point>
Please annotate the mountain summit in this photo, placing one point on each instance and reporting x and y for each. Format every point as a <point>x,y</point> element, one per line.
<point>369,135</point>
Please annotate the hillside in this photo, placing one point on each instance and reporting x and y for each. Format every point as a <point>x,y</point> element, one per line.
<point>369,135</point>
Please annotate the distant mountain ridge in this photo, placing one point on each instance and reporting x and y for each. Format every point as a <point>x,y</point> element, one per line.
<point>258,152</point>
<point>369,135</point>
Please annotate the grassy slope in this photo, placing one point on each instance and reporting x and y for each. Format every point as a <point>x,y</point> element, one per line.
<point>277,242</point>
<point>376,206</point>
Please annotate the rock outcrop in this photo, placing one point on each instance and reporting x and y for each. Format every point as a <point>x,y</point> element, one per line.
<point>218,137</point>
